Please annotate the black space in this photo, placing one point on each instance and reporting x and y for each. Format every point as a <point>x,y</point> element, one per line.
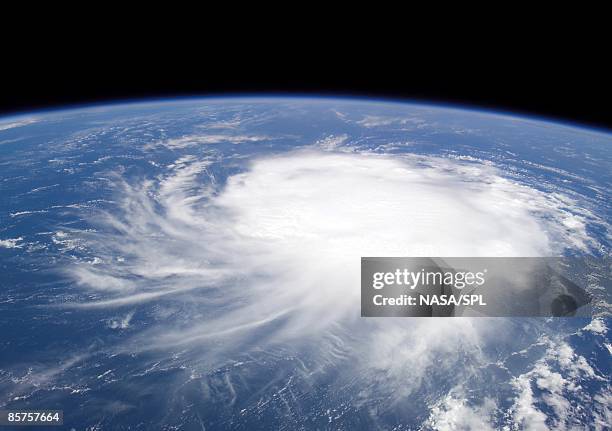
<point>554,83</point>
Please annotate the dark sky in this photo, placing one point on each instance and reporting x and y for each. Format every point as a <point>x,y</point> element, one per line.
<point>564,84</point>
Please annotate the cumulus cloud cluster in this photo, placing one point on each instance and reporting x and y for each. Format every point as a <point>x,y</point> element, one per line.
<point>549,395</point>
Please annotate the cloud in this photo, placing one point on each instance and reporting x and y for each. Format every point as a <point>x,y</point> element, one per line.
<point>332,142</point>
<point>560,377</point>
<point>526,414</point>
<point>11,243</point>
<point>207,139</point>
<point>272,256</point>
<point>455,414</point>
<point>596,326</point>
<point>377,121</point>
<point>121,322</point>
<point>19,123</point>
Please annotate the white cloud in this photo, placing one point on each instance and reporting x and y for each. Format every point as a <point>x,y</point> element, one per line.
<point>597,326</point>
<point>274,255</point>
<point>207,139</point>
<point>19,123</point>
<point>332,142</point>
<point>559,376</point>
<point>526,414</point>
<point>121,322</point>
<point>228,124</point>
<point>377,121</point>
<point>11,242</point>
<point>454,414</point>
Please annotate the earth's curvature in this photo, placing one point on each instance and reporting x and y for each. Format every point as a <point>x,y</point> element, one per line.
<point>194,264</point>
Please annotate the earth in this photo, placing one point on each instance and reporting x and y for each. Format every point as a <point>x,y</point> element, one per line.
<point>194,264</point>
